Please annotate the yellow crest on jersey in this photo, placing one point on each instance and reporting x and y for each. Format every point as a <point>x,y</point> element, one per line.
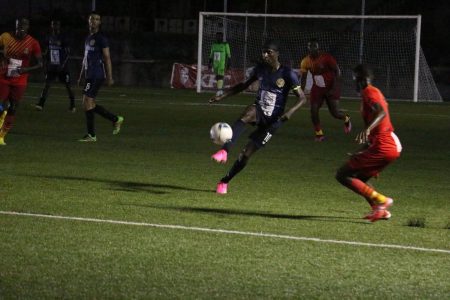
<point>91,42</point>
<point>280,82</point>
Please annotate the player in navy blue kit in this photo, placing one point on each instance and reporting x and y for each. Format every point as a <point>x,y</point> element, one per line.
<point>267,113</point>
<point>96,68</point>
<point>56,54</point>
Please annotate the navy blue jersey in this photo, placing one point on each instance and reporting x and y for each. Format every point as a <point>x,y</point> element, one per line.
<point>93,56</point>
<point>57,51</point>
<point>274,88</point>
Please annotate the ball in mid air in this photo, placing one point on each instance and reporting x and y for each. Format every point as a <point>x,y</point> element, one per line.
<point>221,133</point>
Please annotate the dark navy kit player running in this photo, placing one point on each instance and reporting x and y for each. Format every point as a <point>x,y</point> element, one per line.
<point>56,54</point>
<point>96,68</point>
<point>267,113</point>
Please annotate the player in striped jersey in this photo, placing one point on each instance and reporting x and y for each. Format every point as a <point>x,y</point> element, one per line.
<point>381,146</point>
<point>326,86</point>
<point>17,50</point>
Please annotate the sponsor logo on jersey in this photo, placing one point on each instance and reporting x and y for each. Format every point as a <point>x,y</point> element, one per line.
<point>26,51</point>
<point>280,82</point>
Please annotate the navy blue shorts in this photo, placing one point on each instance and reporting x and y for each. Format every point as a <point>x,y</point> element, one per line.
<point>92,87</point>
<point>63,76</point>
<point>265,128</point>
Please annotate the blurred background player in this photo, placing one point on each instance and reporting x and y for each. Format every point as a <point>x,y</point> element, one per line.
<point>96,61</point>
<point>17,50</point>
<point>219,60</point>
<point>381,146</point>
<point>56,54</point>
<point>267,113</point>
<point>326,80</point>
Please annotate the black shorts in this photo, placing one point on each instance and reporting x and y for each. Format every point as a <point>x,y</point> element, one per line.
<point>265,128</point>
<point>63,76</point>
<point>92,86</point>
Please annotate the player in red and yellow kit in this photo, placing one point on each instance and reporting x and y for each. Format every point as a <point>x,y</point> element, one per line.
<point>381,147</point>
<point>326,76</point>
<point>17,49</point>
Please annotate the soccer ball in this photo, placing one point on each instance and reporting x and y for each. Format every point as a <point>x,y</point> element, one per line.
<point>221,133</point>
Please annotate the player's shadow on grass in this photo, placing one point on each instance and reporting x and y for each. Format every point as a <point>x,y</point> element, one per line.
<point>128,186</point>
<point>250,213</point>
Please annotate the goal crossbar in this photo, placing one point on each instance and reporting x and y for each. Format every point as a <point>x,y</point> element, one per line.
<point>226,15</point>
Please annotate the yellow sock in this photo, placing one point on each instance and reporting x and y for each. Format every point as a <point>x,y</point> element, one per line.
<point>220,84</point>
<point>319,132</point>
<point>377,197</point>
<point>2,117</point>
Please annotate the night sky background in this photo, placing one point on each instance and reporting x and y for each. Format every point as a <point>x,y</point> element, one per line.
<point>435,38</point>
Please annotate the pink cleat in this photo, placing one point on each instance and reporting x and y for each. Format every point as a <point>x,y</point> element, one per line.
<point>222,188</point>
<point>319,138</point>
<point>347,125</point>
<point>380,211</point>
<point>220,156</point>
<point>385,216</point>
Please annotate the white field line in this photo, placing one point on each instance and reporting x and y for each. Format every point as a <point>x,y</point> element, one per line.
<point>142,101</point>
<point>244,233</point>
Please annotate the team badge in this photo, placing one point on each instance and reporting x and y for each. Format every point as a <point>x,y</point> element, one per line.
<point>280,82</point>
<point>26,51</point>
<point>91,42</point>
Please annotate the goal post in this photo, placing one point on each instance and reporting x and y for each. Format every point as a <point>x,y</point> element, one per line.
<point>388,43</point>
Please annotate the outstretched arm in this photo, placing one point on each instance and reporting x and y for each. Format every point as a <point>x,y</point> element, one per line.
<point>234,90</point>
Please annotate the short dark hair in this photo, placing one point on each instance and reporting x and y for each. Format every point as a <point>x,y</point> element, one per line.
<point>94,13</point>
<point>363,71</point>
<point>271,44</point>
<point>19,18</point>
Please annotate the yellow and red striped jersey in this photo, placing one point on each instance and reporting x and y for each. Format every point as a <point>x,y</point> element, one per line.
<point>322,68</point>
<point>18,53</point>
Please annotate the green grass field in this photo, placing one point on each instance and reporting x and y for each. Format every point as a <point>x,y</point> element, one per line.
<point>286,228</point>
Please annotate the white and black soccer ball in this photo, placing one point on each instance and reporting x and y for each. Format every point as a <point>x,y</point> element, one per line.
<point>221,133</point>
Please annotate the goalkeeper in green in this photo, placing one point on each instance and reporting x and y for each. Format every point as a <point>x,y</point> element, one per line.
<point>219,60</point>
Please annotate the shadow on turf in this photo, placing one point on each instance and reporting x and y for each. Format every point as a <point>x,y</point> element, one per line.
<point>239,212</point>
<point>128,186</point>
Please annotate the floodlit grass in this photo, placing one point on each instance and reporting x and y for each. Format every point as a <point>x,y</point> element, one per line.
<point>158,171</point>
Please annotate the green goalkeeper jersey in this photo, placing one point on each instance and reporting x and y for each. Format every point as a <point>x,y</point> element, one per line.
<point>220,52</point>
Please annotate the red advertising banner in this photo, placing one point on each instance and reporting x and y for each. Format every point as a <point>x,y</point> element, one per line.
<point>185,77</point>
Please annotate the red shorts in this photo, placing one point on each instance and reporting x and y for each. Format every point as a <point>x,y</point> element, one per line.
<point>372,161</point>
<point>319,94</point>
<point>9,92</point>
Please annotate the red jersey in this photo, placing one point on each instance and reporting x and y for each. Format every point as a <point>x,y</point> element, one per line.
<point>381,135</point>
<point>323,69</point>
<point>18,53</point>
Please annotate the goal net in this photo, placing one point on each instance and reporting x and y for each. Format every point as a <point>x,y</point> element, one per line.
<point>389,44</point>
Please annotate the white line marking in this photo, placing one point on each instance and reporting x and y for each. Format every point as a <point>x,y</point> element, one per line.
<point>143,101</point>
<point>246,233</point>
